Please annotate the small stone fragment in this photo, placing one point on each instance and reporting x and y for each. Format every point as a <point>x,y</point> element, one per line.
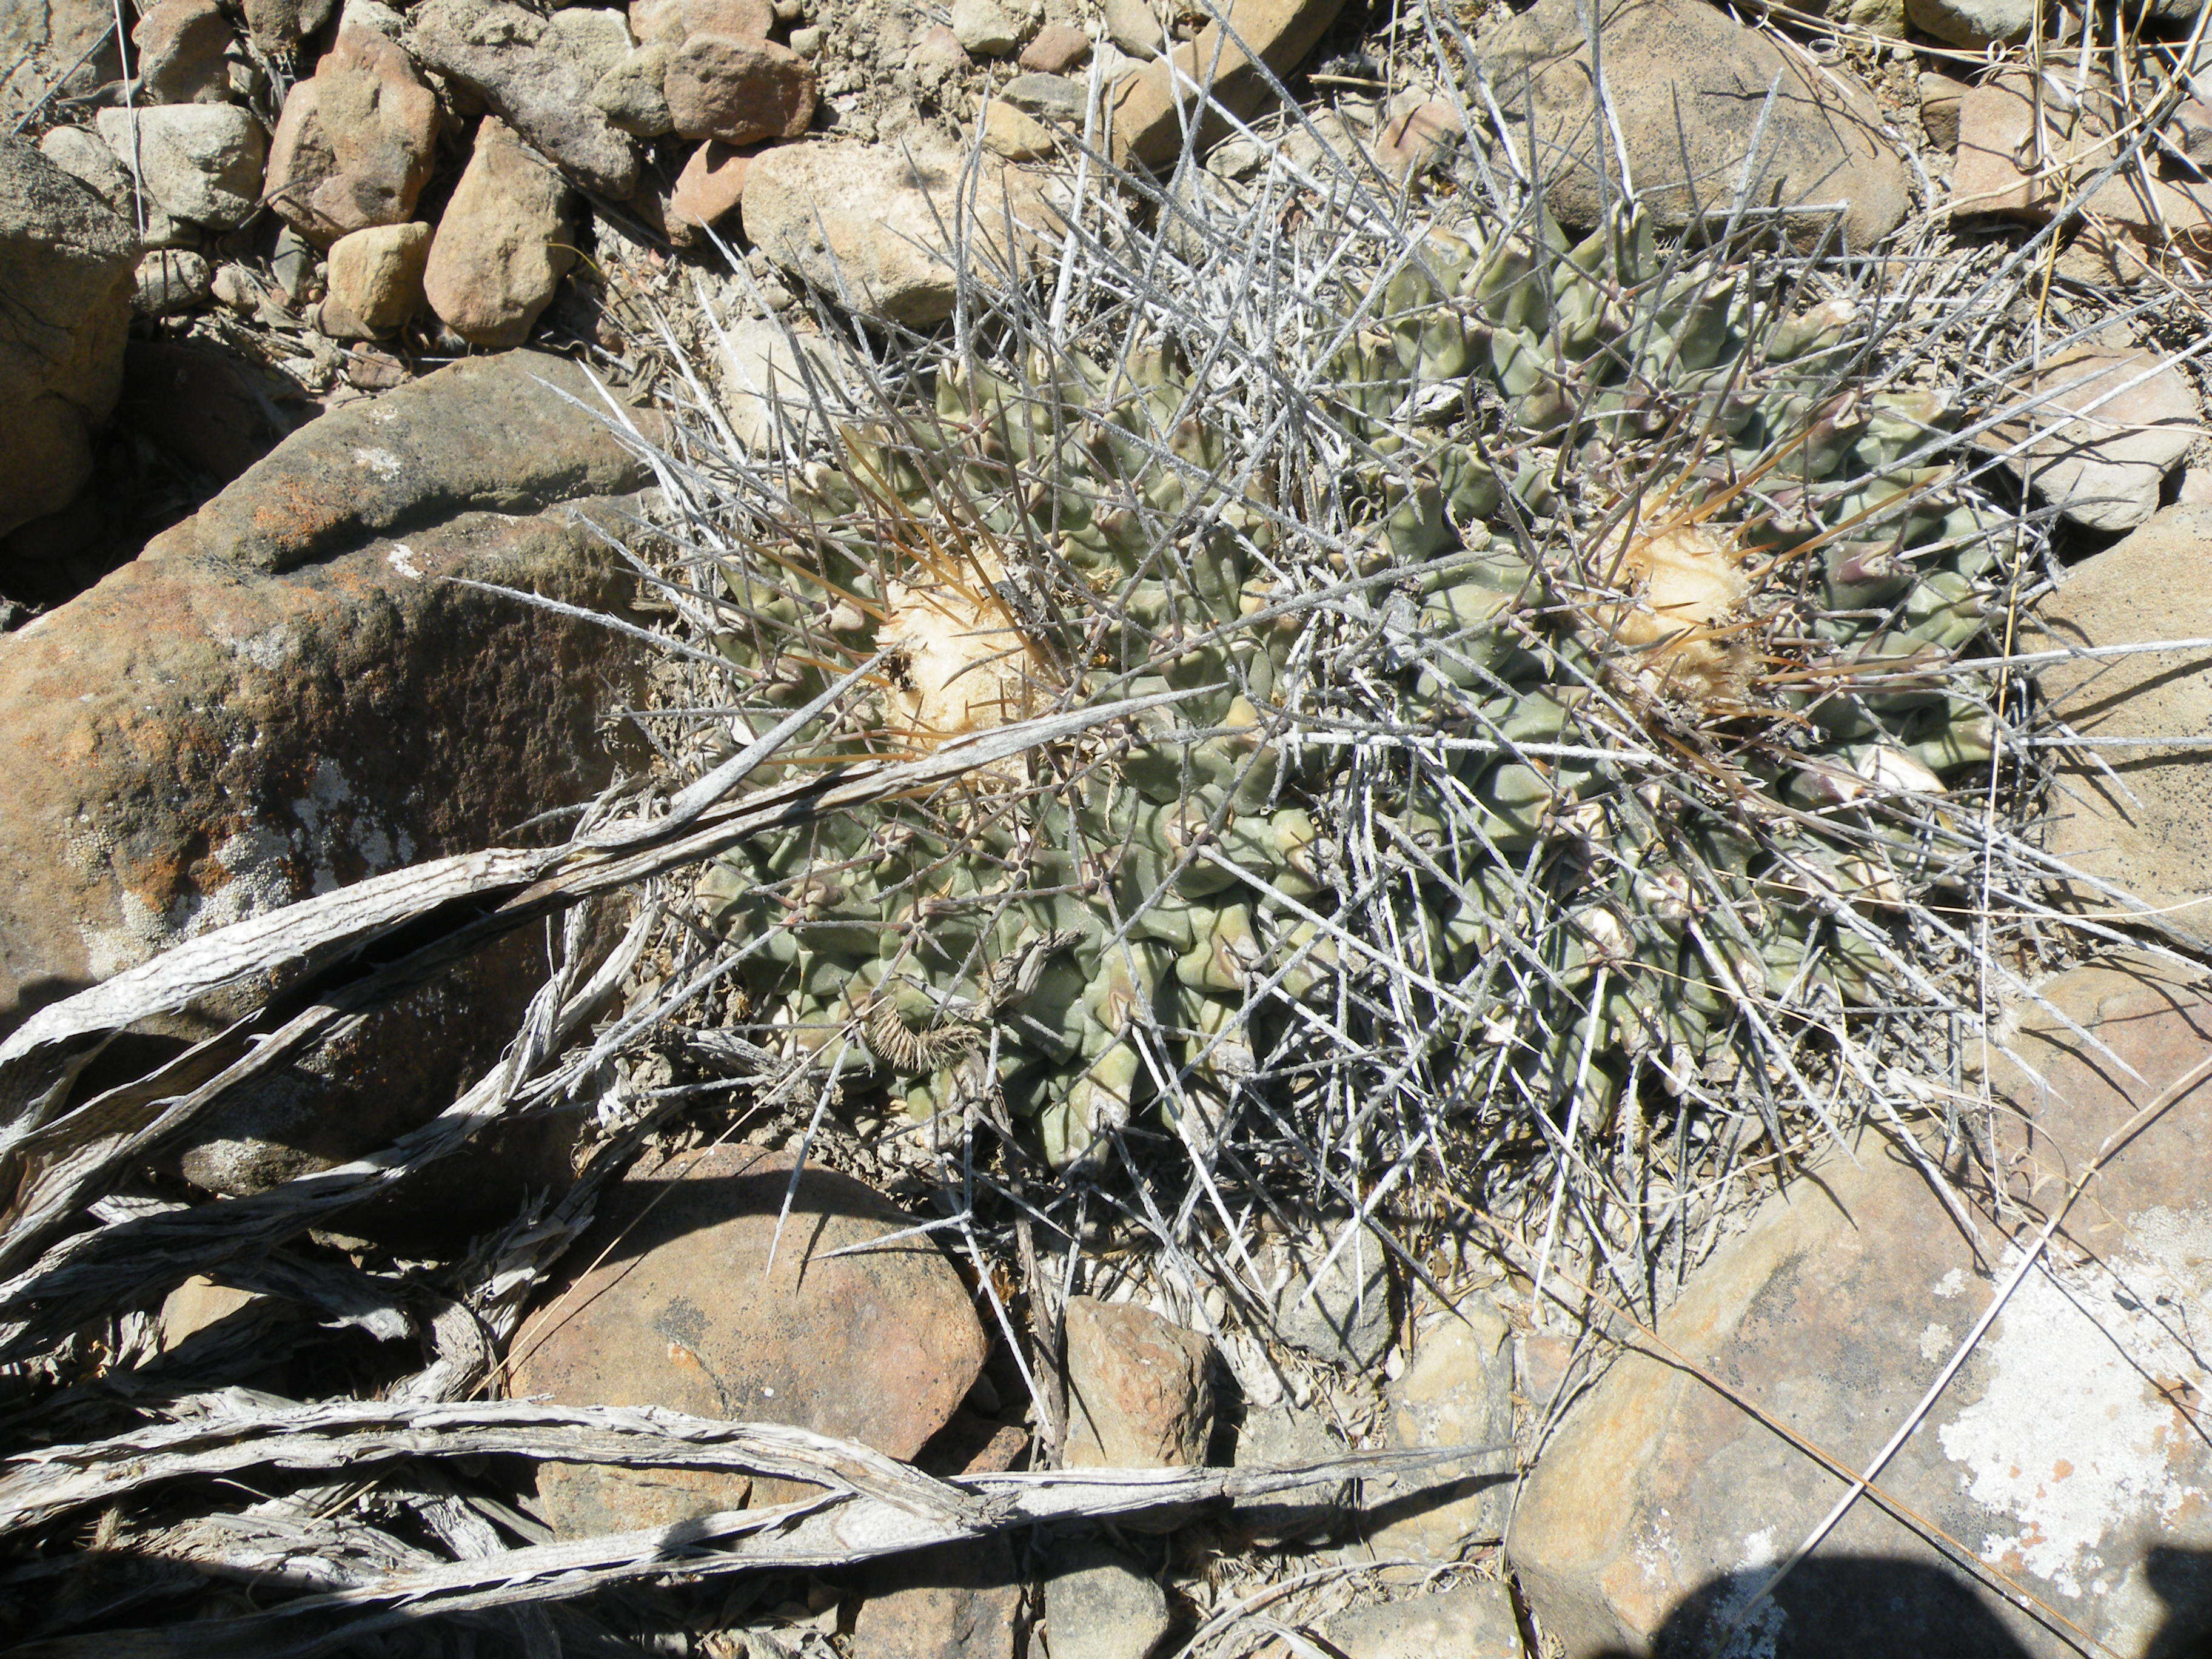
<point>630,95</point>
<point>502,244</point>
<point>982,28</point>
<point>1048,97</point>
<point>594,39</point>
<point>1010,133</point>
<point>201,161</point>
<point>1140,1394</point>
<point>1098,1605</point>
<point>767,391</point>
<point>356,140</point>
<point>170,281</point>
<point>1344,1319</point>
<point>1457,1392</point>
<point>746,19</point>
<point>1471,1621</point>
<point>1272,1437</point>
<point>809,41</point>
<point>710,186</point>
<point>956,1601</point>
<point>1058,48</point>
<point>181,53</point>
<point>739,91</point>
<point>1940,99</point>
<point>1418,138</point>
<point>2106,426</point>
<point>279,26</point>
<point>937,53</point>
<point>1972,24</point>
<point>1134,26</point>
<point>661,21</point>
<point>375,278</point>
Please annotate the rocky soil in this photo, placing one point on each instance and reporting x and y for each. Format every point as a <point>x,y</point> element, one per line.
<point>337,343</point>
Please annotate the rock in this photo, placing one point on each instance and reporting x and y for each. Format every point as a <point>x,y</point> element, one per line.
<point>1416,139</point>
<point>1457,1392</point>
<point>1140,1394</point>
<point>938,54</point>
<point>1346,1319</point>
<point>869,222</point>
<point>1940,100</point>
<point>84,155</point>
<point>878,1345</point>
<point>957,1601</point>
<point>504,54</point>
<point>200,161</point>
<point>1048,97</point>
<point>1134,26</point>
<point>1687,117</point>
<point>982,28</point>
<point>274,699</point>
<point>808,42</point>
<point>2057,1453</point>
<point>1057,48</point>
<point>376,278</point>
<point>2107,424</point>
<point>718,86</point>
<point>657,20</point>
<point>629,94</point>
<point>765,373</point>
<point>197,1303</point>
<point>502,244</point>
<point>746,19</point>
<point>61,364</point>
<point>1972,24</point>
<point>593,39</point>
<point>1148,119</point>
<point>1098,1605</point>
<point>1008,132</point>
<point>279,26</point>
<point>1272,1437</point>
<point>2134,817</point>
<point>202,404</point>
<point>169,281</point>
<point>183,52</point>
<point>53,46</point>
<point>710,186</point>
<point>1471,1621</point>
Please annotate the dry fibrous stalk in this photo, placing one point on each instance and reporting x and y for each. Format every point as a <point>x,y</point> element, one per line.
<point>1564,629</point>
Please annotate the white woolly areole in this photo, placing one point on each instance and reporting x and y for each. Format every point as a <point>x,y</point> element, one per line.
<point>964,664</point>
<point>1689,588</point>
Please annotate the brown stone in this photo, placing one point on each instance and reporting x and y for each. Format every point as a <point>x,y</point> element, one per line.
<point>1144,105</point>
<point>376,275</point>
<point>279,26</point>
<point>502,244</point>
<point>957,1602</point>
<point>740,91</point>
<point>2131,815</point>
<point>1458,1391</point>
<point>713,180</point>
<point>61,46</point>
<point>1688,115</point>
<point>1057,48</point>
<point>1140,1394</point>
<point>354,144</point>
<point>671,1300</point>
<point>745,20</point>
<point>181,53</point>
<point>1941,98</point>
<point>1009,133</point>
<point>1418,139</point>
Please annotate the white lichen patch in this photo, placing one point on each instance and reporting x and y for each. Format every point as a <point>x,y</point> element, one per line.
<point>2081,1438</point>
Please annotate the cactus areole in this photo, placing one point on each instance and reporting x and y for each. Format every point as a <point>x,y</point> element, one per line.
<point>1585,581</point>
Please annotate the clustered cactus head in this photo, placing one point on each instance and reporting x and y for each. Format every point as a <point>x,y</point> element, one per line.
<point>1554,631</point>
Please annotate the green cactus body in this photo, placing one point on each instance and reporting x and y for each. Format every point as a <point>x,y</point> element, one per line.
<point>1057,532</point>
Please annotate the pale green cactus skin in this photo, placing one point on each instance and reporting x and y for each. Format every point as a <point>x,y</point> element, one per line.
<point>1154,972</point>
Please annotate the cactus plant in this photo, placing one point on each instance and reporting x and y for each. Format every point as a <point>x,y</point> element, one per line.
<point>1574,574</point>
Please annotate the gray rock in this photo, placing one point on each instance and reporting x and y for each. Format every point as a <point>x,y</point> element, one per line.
<point>1471,1621</point>
<point>1151,105</point>
<point>869,223</point>
<point>1458,1391</point>
<point>1272,1437</point>
<point>1687,116</point>
<point>200,161</point>
<point>170,281</point>
<point>84,155</point>
<point>1345,1318</point>
<point>1134,26</point>
<point>505,55</point>
<point>1098,1605</point>
<point>961,1601</point>
<point>502,245</point>
<point>66,260</point>
<point>1047,97</point>
<point>594,39</point>
<point>2102,426</point>
<point>184,48</point>
<point>279,26</point>
<point>2133,816</point>
<point>629,94</point>
<point>982,27</point>
<point>765,375</point>
<point>1972,23</point>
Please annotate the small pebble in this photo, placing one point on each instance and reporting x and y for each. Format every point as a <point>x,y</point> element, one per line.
<point>1058,48</point>
<point>982,27</point>
<point>171,280</point>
